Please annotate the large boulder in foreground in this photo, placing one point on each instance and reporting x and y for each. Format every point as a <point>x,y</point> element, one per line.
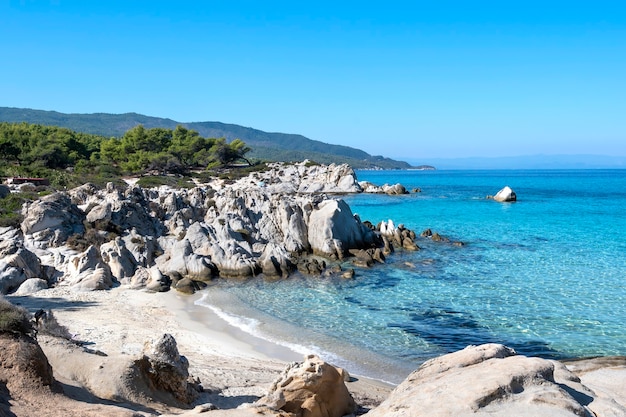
<point>312,388</point>
<point>491,380</point>
<point>505,195</point>
<point>164,373</point>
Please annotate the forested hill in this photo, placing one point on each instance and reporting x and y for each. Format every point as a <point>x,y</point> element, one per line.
<point>265,145</point>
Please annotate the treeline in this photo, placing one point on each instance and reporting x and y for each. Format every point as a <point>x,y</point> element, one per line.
<point>36,150</point>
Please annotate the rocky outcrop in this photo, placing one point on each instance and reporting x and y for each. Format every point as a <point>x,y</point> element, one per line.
<point>492,380</point>
<point>51,220</point>
<point>91,238</point>
<point>164,373</point>
<point>505,195</point>
<point>17,264</point>
<point>23,366</point>
<point>399,236</point>
<point>395,189</point>
<point>333,230</point>
<point>312,388</point>
<point>87,272</point>
<point>306,178</point>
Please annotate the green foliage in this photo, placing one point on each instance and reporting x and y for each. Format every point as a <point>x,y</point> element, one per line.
<point>11,207</point>
<point>14,319</point>
<point>67,158</point>
<point>276,146</point>
<point>159,180</point>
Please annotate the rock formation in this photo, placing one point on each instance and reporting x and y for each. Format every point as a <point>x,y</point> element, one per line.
<point>492,380</point>
<point>312,388</point>
<point>91,238</point>
<point>505,195</point>
<point>164,373</point>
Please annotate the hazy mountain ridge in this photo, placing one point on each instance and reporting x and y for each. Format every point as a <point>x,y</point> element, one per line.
<point>266,145</point>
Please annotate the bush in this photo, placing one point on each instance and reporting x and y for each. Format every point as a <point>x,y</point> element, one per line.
<point>11,207</point>
<point>14,319</point>
<point>159,180</point>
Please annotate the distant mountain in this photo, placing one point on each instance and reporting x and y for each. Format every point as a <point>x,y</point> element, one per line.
<point>265,145</point>
<point>530,162</point>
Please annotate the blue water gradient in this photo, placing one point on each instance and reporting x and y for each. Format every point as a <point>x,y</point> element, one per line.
<point>545,275</point>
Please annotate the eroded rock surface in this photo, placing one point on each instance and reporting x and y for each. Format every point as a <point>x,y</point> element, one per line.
<point>492,380</point>
<point>312,388</point>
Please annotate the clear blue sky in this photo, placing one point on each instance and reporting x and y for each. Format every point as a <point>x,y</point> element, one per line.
<point>402,79</point>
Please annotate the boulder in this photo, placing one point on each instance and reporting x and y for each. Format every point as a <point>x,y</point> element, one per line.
<point>87,272</point>
<point>31,286</point>
<point>51,220</point>
<point>166,372</point>
<point>333,230</point>
<point>505,195</point>
<point>395,189</point>
<point>312,388</point>
<point>491,380</point>
<point>17,264</point>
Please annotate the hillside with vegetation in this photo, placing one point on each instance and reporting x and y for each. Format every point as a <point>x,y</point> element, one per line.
<point>264,146</point>
<point>69,158</point>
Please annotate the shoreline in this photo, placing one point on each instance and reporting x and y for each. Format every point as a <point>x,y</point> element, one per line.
<point>233,366</point>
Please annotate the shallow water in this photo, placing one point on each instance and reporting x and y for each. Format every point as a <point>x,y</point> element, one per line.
<point>545,275</point>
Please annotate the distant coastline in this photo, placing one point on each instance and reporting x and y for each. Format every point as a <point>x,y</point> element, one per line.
<point>526,162</point>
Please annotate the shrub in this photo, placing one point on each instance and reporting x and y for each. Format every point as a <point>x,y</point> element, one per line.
<point>14,319</point>
<point>159,180</point>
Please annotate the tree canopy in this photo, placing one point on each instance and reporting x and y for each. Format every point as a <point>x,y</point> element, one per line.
<point>30,149</point>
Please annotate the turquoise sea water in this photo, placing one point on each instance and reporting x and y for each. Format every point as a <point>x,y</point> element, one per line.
<point>545,275</point>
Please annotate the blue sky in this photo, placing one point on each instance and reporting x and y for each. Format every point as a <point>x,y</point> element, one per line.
<point>419,79</point>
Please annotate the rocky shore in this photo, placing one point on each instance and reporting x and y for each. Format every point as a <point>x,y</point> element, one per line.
<point>137,348</point>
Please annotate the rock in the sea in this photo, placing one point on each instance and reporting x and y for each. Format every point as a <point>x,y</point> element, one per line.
<point>505,195</point>
<point>333,230</point>
<point>490,380</point>
<point>312,388</point>
<point>395,189</point>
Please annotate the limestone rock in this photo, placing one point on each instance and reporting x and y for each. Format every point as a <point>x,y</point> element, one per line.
<point>490,380</point>
<point>52,219</point>
<point>31,286</point>
<point>87,272</point>
<point>333,230</point>
<point>164,370</point>
<point>312,388</point>
<point>17,264</point>
<point>505,195</point>
<point>306,178</point>
<point>395,189</point>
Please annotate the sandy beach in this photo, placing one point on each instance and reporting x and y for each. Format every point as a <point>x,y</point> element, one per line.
<point>233,367</point>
